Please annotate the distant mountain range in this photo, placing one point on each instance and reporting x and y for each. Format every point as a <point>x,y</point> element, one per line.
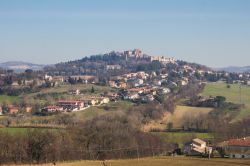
<point>19,66</point>
<point>235,69</point>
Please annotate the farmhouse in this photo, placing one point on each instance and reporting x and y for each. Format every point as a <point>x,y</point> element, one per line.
<point>12,109</point>
<point>28,109</point>
<point>238,148</point>
<point>197,147</point>
<point>71,105</point>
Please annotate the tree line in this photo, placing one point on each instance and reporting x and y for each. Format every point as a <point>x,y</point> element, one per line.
<point>112,136</point>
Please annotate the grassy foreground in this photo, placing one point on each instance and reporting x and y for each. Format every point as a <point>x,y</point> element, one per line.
<point>162,161</point>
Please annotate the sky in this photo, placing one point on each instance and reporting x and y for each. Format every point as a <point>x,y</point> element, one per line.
<point>215,33</point>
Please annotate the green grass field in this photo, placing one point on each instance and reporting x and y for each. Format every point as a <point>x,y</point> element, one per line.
<point>232,94</point>
<point>160,161</point>
<point>94,111</point>
<point>20,130</point>
<point>9,99</point>
<point>62,93</point>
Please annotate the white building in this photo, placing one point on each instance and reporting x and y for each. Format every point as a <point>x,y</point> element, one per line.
<point>198,147</point>
<point>163,59</point>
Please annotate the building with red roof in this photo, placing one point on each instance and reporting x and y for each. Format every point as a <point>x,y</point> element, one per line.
<point>239,148</point>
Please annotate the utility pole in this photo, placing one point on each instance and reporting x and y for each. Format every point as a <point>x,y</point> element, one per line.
<point>138,155</point>
<point>240,94</point>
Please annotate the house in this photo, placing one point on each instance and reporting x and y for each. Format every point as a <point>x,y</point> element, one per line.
<point>112,96</point>
<point>238,148</point>
<point>164,90</point>
<point>57,80</point>
<point>74,91</point>
<point>1,110</point>
<point>182,82</point>
<point>112,84</point>
<point>247,82</point>
<point>91,101</point>
<point>122,85</point>
<point>148,98</point>
<point>136,90</point>
<point>197,147</point>
<point>132,96</point>
<point>29,82</point>
<point>113,67</point>
<point>15,83</point>
<point>12,110</point>
<point>84,78</point>
<point>47,77</point>
<point>28,109</point>
<point>135,82</point>
<point>162,59</point>
<point>104,100</point>
<point>52,109</point>
<point>136,53</point>
<point>71,105</point>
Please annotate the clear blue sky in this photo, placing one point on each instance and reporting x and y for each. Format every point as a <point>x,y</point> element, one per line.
<point>211,32</point>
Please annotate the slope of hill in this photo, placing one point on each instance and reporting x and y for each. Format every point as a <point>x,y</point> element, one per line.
<point>235,69</point>
<point>19,66</point>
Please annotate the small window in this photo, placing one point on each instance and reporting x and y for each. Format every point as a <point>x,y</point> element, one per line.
<point>233,156</point>
<point>243,156</point>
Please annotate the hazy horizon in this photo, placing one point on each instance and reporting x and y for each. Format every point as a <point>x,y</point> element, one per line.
<point>215,33</point>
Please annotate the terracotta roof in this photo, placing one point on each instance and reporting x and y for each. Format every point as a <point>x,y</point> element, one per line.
<point>240,142</point>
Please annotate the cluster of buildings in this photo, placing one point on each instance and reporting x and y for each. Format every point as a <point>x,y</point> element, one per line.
<point>51,80</point>
<point>139,55</point>
<point>12,110</point>
<point>233,148</point>
<point>75,105</point>
<point>236,148</point>
<point>138,86</point>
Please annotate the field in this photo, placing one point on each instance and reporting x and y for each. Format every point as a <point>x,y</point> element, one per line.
<point>8,99</point>
<point>180,113</point>
<point>51,95</point>
<point>161,161</point>
<point>13,130</point>
<point>232,94</point>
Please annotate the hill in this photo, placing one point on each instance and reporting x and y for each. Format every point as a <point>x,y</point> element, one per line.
<point>19,66</point>
<point>235,69</point>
